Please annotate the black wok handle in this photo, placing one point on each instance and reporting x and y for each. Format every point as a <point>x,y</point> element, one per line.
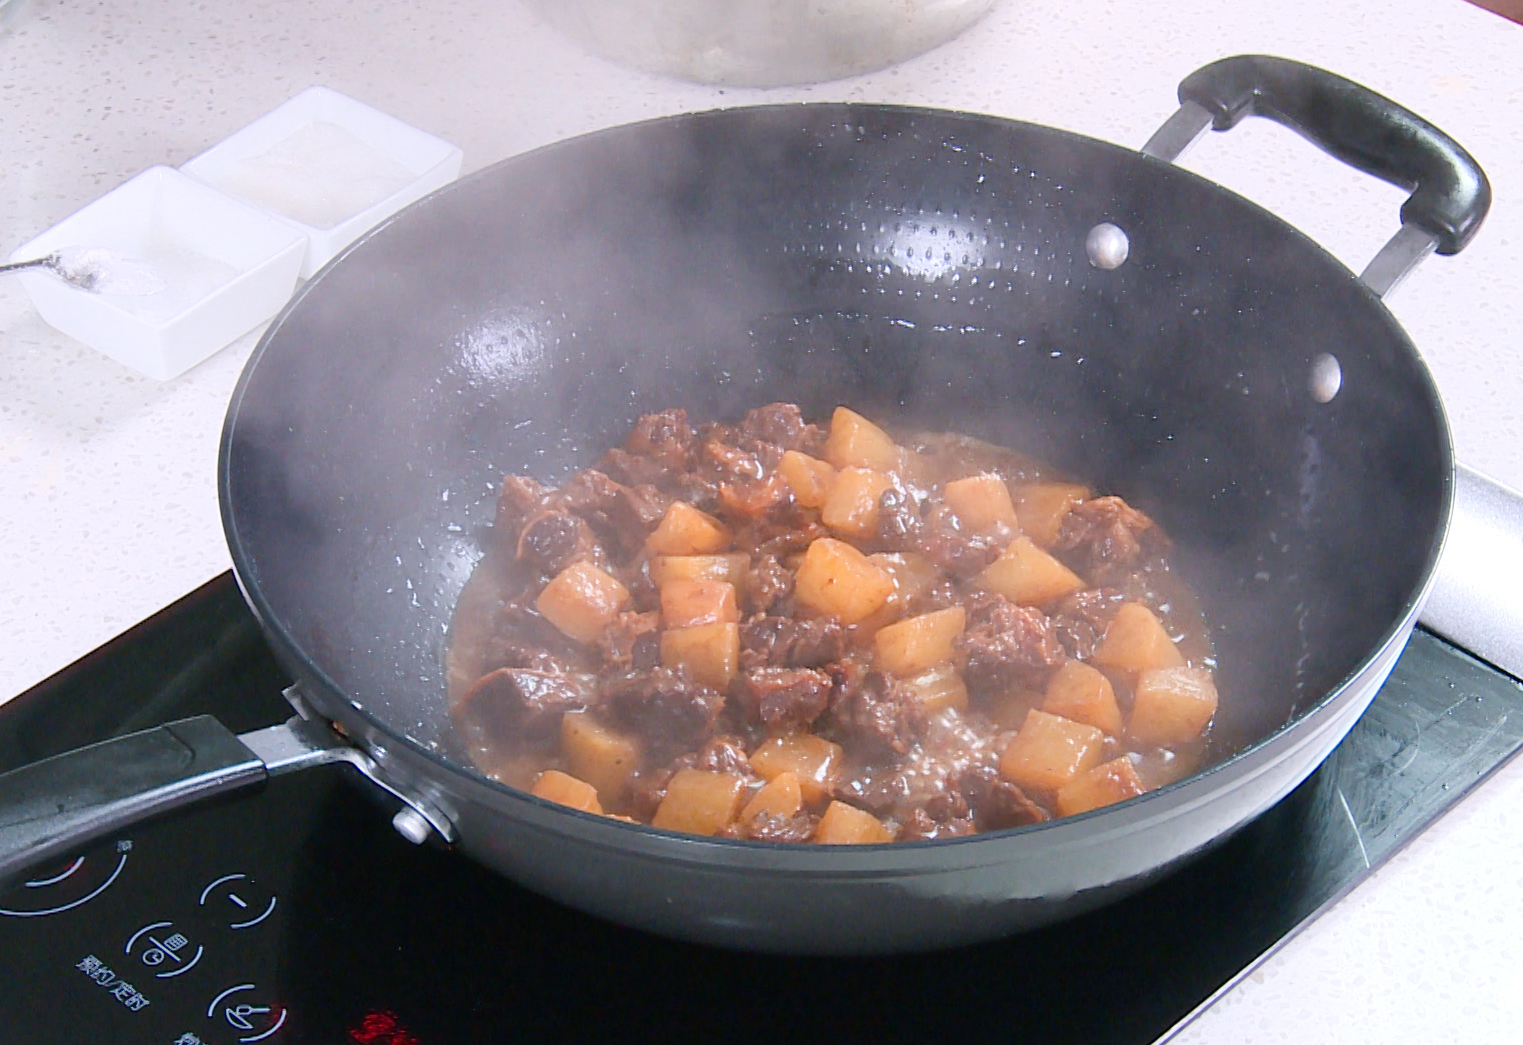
<point>1367,131</point>
<point>51,807</point>
<point>1449,192</point>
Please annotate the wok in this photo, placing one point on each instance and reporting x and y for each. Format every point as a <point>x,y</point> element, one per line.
<point>926,267</point>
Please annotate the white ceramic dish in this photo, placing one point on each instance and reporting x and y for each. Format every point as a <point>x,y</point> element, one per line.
<point>329,166</point>
<point>185,271</point>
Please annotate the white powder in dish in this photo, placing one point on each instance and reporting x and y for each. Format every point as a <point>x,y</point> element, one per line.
<point>158,280</point>
<point>320,176</point>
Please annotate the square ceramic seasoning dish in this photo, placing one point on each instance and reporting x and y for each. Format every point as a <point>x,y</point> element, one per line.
<point>180,271</point>
<point>328,166</point>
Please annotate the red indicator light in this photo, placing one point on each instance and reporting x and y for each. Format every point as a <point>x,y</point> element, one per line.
<point>381,1028</point>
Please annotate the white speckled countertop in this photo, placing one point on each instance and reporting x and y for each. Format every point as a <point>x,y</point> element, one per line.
<point>109,507</point>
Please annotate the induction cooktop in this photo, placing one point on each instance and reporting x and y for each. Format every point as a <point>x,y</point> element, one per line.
<point>296,915</point>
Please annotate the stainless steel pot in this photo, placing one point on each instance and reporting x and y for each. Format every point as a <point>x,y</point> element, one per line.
<point>761,43</point>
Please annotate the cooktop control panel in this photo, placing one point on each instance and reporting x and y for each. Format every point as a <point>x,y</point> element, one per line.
<point>150,937</point>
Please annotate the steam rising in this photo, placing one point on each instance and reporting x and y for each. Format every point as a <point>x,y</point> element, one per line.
<point>928,269</point>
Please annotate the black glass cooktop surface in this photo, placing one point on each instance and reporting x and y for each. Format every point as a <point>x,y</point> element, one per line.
<point>297,915</point>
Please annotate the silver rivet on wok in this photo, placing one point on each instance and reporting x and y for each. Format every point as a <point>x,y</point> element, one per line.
<point>412,825</point>
<point>1326,378</point>
<point>1107,246</point>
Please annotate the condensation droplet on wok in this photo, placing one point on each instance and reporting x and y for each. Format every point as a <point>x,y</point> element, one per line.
<point>1326,378</point>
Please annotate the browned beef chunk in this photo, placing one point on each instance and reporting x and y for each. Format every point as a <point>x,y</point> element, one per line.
<point>873,712</point>
<point>787,534</point>
<point>644,596</point>
<point>785,699</point>
<point>632,469</point>
<point>659,447</point>
<point>899,524</point>
<point>588,491</point>
<point>665,434</point>
<point>957,550</point>
<point>519,498</point>
<point>769,584</point>
<point>511,707</point>
<point>921,826</point>
<point>521,638</point>
<point>782,642</point>
<point>632,642</point>
<point>764,828</point>
<point>949,805</point>
<point>669,710</point>
<point>885,789</point>
<point>623,516</point>
<point>638,509</point>
<point>719,451</point>
<point>552,540</point>
<point>756,499</point>
<point>995,802</point>
<point>1104,536</point>
<point>725,754</point>
<point>1007,645</point>
<point>1081,619</point>
<point>701,490</point>
<point>783,425</point>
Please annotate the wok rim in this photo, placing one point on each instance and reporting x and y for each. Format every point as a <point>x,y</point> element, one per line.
<point>833,859</point>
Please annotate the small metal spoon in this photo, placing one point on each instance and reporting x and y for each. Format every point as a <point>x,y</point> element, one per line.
<point>83,276</point>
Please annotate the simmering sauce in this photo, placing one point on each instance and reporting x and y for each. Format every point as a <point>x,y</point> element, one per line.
<point>790,632</point>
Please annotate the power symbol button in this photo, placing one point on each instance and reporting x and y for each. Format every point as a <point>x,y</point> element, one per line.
<point>238,899</point>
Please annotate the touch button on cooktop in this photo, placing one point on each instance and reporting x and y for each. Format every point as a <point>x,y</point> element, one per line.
<point>243,1008</point>
<point>68,883</point>
<point>237,901</point>
<point>164,950</point>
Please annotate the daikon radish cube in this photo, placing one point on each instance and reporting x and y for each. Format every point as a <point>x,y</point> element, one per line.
<point>603,757</point>
<point>835,578</point>
<point>1171,706</point>
<point>582,600</point>
<point>780,796</point>
<point>730,568</point>
<point>710,652</point>
<point>981,501</point>
<point>1077,691</point>
<point>700,802</point>
<point>1049,751</point>
<point>684,530</point>
<point>687,604</point>
<point>1107,783</point>
<point>1027,575</point>
<point>918,643</point>
<point>814,760</point>
<point>854,441</point>
<point>852,507</point>
<point>938,689</point>
<point>1136,642</point>
<point>911,572</point>
<point>808,477</point>
<point>847,825</point>
<point>1040,507</point>
<point>555,786</point>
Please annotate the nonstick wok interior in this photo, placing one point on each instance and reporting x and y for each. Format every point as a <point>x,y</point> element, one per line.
<point>927,269</point>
